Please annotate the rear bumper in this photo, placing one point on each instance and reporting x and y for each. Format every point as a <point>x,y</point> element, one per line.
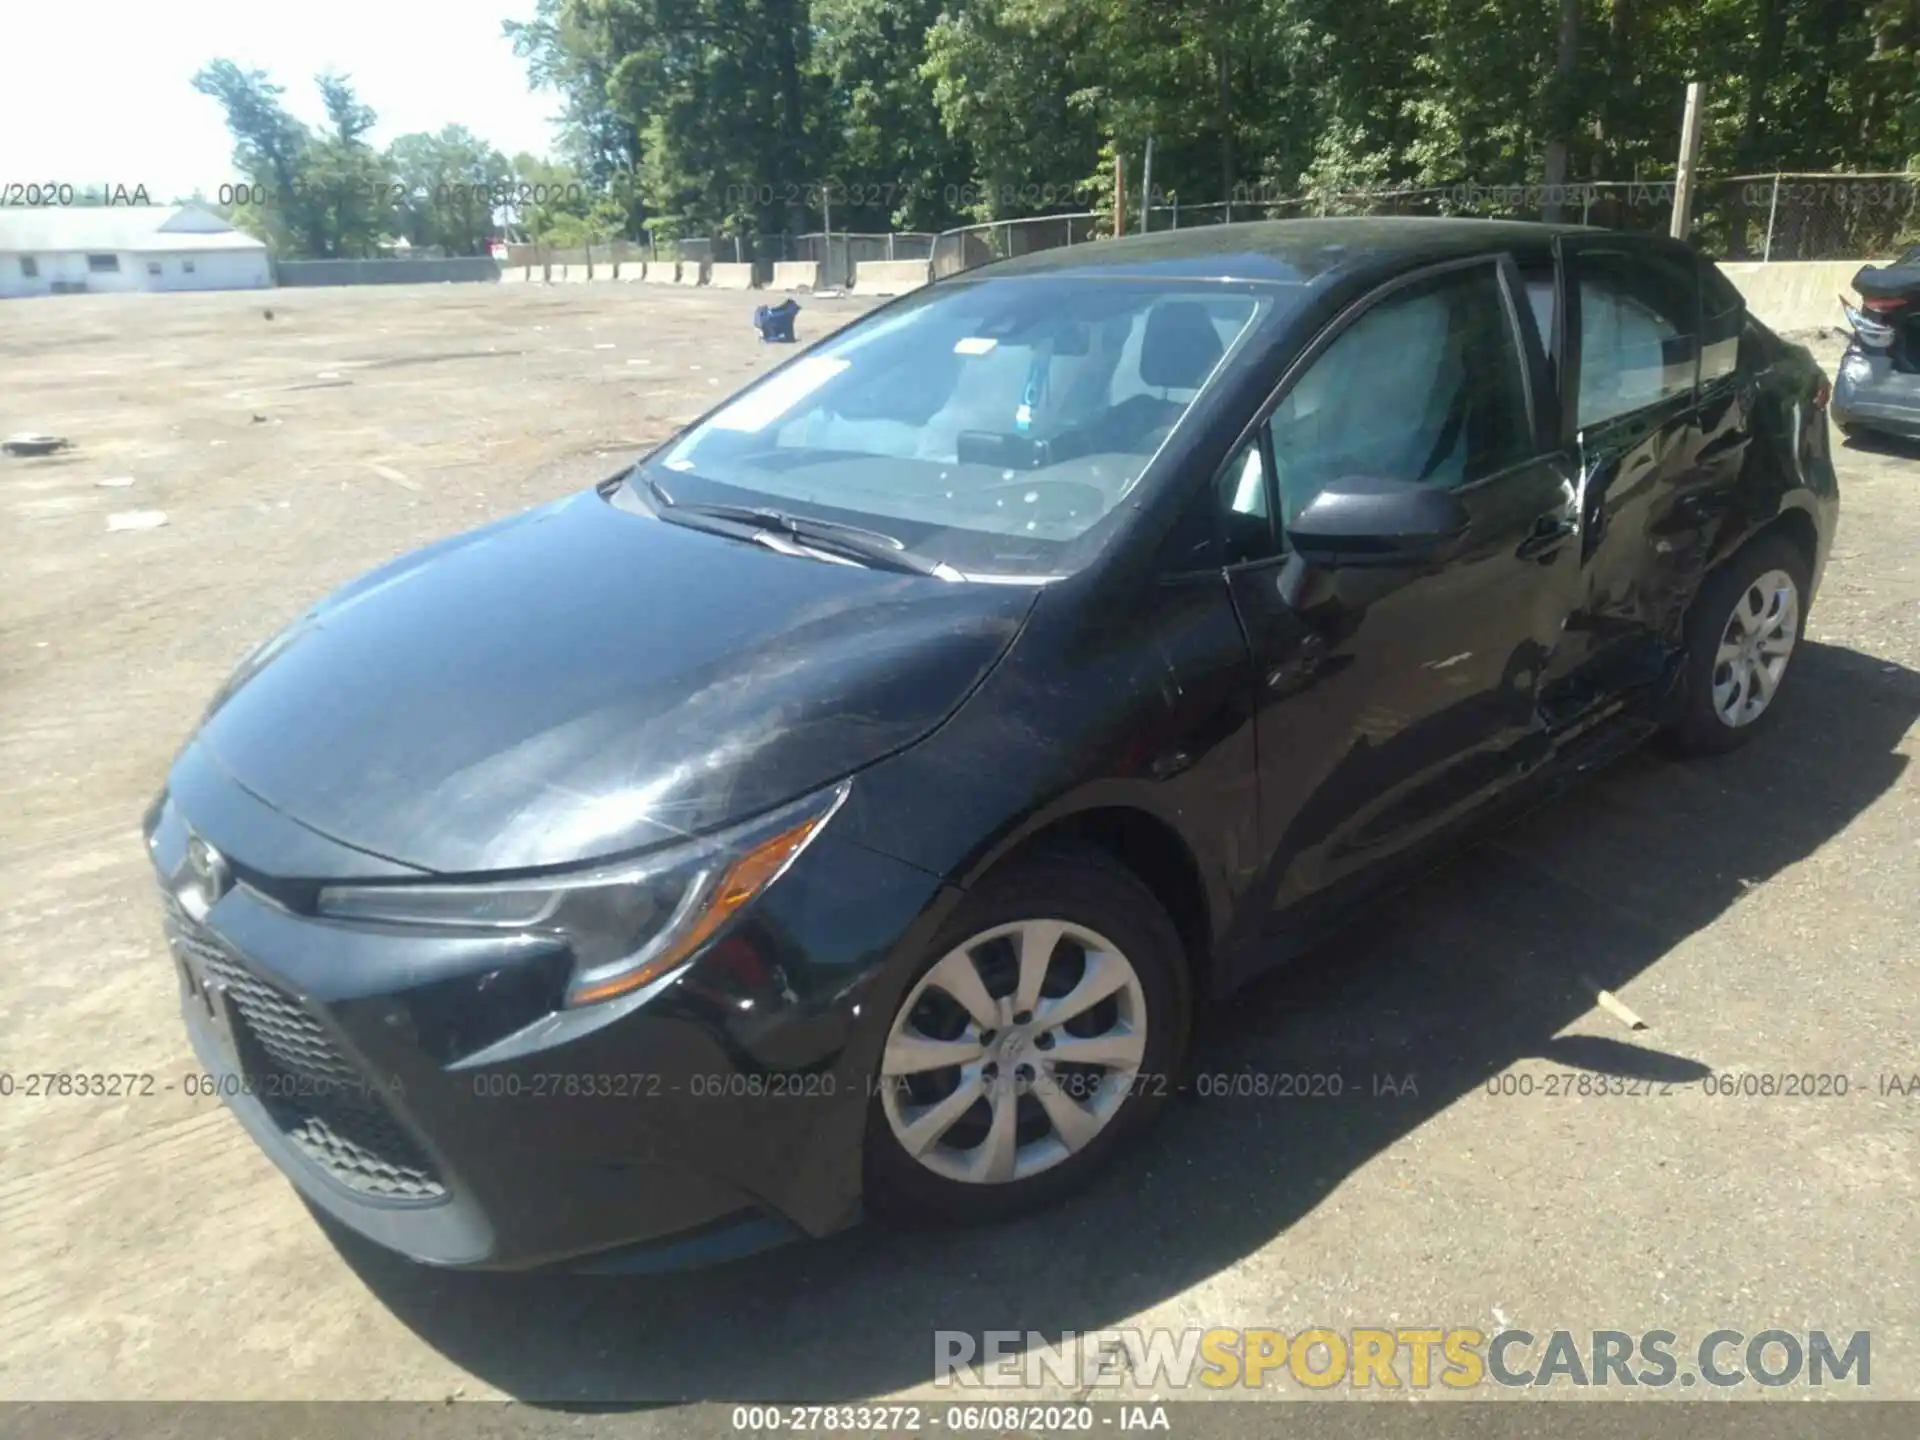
<point>1871,394</point>
<point>423,1090</point>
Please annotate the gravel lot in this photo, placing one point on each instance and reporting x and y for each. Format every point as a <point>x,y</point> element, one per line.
<point>1758,912</point>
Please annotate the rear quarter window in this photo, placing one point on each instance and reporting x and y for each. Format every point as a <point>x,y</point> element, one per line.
<point>1639,331</point>
<point>1722,322</point>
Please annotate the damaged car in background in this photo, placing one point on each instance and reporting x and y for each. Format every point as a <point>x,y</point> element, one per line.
<point>848,807</point>
<point>1879,384</point>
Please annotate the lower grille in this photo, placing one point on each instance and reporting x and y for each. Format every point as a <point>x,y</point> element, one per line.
<point>330,1112</point>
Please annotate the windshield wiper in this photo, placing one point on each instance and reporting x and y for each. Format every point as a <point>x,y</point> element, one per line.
<point>854,542</point>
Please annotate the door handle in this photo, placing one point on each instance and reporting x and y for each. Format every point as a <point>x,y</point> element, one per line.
<point>1549,534</point>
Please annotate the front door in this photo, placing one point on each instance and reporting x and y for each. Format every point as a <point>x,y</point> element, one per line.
<point>1396,699</point>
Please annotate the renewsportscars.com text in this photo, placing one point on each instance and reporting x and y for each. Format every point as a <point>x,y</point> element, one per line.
<point>1397,1357</point>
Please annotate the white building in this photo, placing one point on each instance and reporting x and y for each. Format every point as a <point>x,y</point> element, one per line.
<point>58,249</point>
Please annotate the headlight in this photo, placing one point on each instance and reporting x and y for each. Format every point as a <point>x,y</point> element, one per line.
<point>627,924</point>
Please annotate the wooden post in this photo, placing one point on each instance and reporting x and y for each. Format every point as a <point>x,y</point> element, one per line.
<point>1689,160</point>
<point>1119,195</point>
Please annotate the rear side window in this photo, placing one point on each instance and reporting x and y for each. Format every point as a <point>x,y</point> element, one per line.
<point>1427,386</point>
<point>1639,332</point>
<point>1722,315</point>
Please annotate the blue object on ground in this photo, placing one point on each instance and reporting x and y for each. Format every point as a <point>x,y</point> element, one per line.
<point>775,322</point>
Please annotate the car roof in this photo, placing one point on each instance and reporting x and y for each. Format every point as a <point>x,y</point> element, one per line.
<point>1286,251</point>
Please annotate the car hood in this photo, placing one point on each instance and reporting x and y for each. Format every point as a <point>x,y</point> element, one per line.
<point>581,681</point>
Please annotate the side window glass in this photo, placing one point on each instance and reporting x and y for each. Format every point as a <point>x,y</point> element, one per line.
<point>1426,387</point>
<point>1722,318</point>
<point>1638,333</point>
<point>1246,506</point>
<point>1540,301</point>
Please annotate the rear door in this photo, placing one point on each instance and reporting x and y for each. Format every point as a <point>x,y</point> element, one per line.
<point>1394,699</point>
<point>1653,474</point>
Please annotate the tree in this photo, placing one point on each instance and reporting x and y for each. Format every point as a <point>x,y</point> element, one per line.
<point>309,194</point>
<point>896,162</point>
<point>450,184</point>
<point>271,152</point>
<point>698,115</point>
<point>1009,78</point>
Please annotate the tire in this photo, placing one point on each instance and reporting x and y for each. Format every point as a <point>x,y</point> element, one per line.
<point>1708,689</point>
<point>1106,913</point>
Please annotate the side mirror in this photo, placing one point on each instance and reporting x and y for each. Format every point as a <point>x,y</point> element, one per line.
<point>1368,520</point>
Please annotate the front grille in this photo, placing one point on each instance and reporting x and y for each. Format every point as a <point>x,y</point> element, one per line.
<point>367,1151</point>
<point>292,1039</point>
<point>312,1092</point>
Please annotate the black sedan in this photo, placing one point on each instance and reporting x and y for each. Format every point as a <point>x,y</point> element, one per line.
<point>849,806</point>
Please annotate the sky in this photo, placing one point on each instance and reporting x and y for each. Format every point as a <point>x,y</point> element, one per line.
<point>104,96</point>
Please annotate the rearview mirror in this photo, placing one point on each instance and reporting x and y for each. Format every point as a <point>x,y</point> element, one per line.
<point>1369,520</point>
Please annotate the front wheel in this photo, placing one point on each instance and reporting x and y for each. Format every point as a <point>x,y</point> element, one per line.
<point>1742,633</point>
<point>1043,1028</point>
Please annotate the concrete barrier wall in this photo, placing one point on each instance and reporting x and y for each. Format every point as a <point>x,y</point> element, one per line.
<point>470,268</point>
<point>727,275</point>
<point>694,272</point>
<point>795,275</point>
<point>632,271</point>
<point>889,277</point>
<point>518,274</point>
<point>663,272</point>
<point>1795,294</point>
<point>569,274</point>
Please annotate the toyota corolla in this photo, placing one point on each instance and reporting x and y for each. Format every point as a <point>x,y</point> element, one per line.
<point>849,805</point>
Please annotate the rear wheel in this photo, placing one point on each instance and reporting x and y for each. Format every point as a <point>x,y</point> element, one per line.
<point>1042,1030</point>
<point>1742,633</point>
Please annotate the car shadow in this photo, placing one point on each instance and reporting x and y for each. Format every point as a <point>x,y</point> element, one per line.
<point>1481,965</point>
<point>1875,442</point>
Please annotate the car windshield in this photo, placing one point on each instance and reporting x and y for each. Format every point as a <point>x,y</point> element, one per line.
<point>988,425</point>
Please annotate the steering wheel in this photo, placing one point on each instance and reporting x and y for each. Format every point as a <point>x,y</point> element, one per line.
<point>1047,501</point>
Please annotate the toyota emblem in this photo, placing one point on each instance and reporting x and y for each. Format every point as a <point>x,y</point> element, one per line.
<point>207,877</point>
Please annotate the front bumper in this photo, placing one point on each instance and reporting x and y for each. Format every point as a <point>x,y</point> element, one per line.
<point>1870,393</point>
<point>426,1091</point>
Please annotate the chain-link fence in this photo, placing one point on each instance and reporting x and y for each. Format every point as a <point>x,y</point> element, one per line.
<point>971,245</point>
<point>601,257</point>
<point>1808,217</point>
<point>1737,217</point>
<point>1634,205</point>
<point>837,253</point>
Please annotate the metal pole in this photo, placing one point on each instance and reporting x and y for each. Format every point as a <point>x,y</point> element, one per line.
<point>1119,195</point>
<point>890,245</point>
<point>1175,197</point>
<point>1146,190</point>
<point>826,222</point>
<point>1773,207</point>
<point>1689,159</point>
